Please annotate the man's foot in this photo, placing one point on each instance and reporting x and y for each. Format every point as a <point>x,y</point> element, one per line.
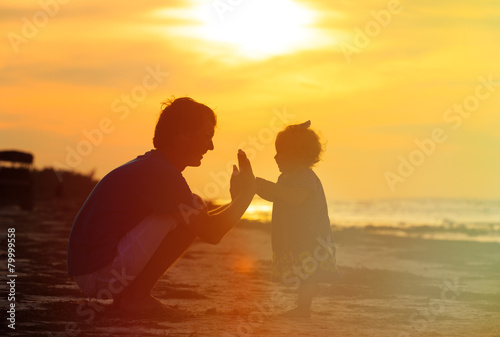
<point>298,312</point>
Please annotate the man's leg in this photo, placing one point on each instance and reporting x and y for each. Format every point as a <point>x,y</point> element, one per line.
<point>138,294</point>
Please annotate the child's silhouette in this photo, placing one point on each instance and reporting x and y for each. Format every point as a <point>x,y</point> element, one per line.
<point>302,240</point>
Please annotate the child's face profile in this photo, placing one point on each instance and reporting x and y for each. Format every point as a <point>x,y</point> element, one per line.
<point>284,158</point>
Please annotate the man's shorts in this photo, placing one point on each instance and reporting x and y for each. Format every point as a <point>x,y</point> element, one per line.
<point>135,249</point>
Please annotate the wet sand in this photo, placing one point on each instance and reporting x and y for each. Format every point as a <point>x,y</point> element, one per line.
<point>391,286</point>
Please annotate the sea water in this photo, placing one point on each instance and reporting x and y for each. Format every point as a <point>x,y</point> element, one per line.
<point>448,219</point>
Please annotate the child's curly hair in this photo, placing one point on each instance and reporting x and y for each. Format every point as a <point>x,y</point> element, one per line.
<point>302,142</point>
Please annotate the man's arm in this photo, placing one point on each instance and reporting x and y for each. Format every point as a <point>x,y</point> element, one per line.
<point>218,209</point>
<point>211,227</point>
<point>201,204</point>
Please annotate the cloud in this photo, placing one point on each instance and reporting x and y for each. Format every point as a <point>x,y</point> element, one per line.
<point>395,89</point>
<point>88,10</point>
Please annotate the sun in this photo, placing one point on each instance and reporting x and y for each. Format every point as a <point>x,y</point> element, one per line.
<point>253,29</point>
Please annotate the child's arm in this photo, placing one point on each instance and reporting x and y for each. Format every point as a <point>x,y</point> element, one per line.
<point>265,189</point>
<point>272,192</point>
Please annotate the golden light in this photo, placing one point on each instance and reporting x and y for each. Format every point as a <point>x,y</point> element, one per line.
<point>259,210</point>
<point>254,29</point>
<point>245,265</point>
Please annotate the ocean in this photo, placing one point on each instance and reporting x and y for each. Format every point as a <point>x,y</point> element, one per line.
<point>440,219</point>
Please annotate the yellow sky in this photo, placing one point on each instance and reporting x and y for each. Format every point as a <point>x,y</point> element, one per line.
<point>374,77</point>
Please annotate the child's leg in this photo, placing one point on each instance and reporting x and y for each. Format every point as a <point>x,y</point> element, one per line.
<point>307,290</point>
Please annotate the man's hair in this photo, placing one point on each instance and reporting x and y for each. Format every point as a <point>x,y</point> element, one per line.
<point>181,115</point>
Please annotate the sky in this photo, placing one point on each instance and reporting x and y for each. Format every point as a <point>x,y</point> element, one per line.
<point>405,94</point>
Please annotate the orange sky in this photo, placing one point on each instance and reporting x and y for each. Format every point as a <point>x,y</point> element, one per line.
<point>374,77</point>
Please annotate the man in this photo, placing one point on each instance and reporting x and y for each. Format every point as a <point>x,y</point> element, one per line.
<point>141,217</point>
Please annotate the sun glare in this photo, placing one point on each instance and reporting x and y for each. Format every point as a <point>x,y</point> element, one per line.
<point>244,264</point>
<point>253,29</point>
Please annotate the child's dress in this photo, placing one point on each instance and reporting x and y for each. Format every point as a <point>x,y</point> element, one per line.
<point>302,239</point>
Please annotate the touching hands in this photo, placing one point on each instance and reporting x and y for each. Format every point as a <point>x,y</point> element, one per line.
<point>242,180</point>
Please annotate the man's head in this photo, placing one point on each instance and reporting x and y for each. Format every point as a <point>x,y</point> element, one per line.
<point>185,130</point>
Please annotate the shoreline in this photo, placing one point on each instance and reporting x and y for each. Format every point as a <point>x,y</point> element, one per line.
<point>391,285</point>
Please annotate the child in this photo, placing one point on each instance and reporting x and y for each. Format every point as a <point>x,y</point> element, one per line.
<point>302,240</point>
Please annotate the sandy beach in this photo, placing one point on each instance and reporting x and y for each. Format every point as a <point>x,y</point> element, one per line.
<point>391,286</point>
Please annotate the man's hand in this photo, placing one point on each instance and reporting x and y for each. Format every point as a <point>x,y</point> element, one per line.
<point>242,179</point>
<point>212,226</point>
<point>234,184</point>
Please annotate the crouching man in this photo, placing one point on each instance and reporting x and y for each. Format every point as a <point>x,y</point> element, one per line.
<point>142,216</point>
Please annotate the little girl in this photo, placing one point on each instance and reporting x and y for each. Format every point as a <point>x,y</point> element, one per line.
<point>302,240</point>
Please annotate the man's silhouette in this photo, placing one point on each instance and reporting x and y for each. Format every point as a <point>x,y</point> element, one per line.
<point>142,216</point>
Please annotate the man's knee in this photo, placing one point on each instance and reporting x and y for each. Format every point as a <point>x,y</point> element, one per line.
<point>173,246</point>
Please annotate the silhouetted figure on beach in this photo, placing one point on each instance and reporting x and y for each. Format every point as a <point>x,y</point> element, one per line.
<point>302,240</point>
<point>142,216</point>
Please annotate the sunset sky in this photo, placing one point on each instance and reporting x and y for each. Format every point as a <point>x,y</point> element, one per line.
<point>406,94</point>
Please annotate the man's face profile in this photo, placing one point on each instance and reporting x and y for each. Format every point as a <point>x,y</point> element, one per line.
<point>197,143</point>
